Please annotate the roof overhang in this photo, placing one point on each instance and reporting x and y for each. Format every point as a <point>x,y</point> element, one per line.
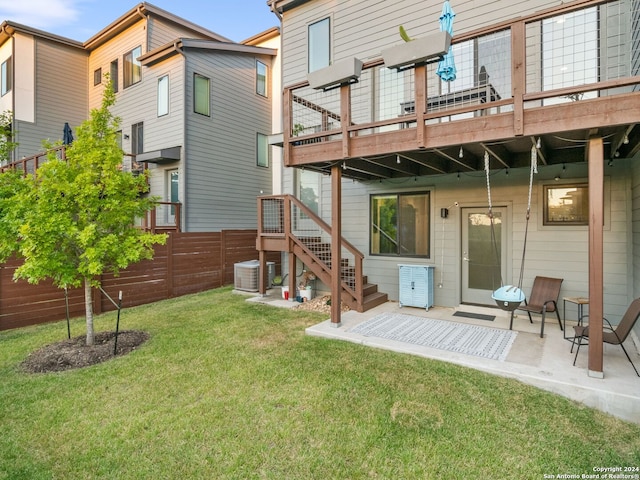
<point>141,12</point>
<point>164,155</point>
<point>181,44</point>
<point>8,29</point>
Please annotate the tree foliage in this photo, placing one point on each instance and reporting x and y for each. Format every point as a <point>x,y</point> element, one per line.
<point>7,145</point>
<point>74,220</point>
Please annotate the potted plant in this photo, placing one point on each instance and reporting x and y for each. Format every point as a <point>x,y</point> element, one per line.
<point>416,51</point>
<point>305,287</point>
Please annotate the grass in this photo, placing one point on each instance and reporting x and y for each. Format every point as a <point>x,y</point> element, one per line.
<point>230,389</point>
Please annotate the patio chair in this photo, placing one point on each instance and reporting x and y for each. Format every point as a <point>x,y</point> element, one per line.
<point>612,335</point>
<point>543,299</point>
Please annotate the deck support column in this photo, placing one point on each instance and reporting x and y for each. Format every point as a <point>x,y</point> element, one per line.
<point>596,221</point>
<point>336,245</point>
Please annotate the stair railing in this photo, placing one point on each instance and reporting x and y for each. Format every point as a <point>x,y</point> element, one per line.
<point>287,218</point>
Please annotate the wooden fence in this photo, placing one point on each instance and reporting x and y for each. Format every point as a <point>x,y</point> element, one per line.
<point>188,263</point>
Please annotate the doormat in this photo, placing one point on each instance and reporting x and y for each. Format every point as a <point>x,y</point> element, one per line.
<point>485,342</point>
<point>477,316</point>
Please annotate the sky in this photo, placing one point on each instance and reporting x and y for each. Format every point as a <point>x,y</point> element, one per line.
<point>81,19</point>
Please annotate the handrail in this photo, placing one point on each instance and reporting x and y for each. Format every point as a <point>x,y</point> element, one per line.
<point>23,163</point>
<point>325,226</point>
<point>282,223</point>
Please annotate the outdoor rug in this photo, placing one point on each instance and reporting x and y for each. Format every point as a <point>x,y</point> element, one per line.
<point>486,342</point>
<point>477,316</point>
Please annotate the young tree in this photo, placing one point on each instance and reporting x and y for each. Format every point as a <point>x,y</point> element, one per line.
<point>75,219</point>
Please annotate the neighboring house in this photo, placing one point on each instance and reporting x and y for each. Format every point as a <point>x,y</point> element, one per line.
<point>406,185</point>
<point>196,108</point>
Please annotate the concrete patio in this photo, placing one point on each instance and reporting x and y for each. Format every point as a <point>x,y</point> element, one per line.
<point>546,363</point>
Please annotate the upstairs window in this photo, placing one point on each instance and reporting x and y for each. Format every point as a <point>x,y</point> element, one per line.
<point>113,73</point>
<point>6,77</point>
<point>163,96</point>
<point>262,151</point>
<point>97,76</point>
<point>319,44</point>
<point>132,67</point>
<point>201,95</point>
<point>261,78</point>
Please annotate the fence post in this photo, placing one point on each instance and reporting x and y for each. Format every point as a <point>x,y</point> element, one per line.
<point>169,279</point>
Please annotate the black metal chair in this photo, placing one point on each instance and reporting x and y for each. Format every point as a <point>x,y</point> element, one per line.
<point>612,335</point>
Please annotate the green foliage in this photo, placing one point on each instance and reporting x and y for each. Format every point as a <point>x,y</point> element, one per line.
<point>403,33</point>
<point>7,145</point>
<point>78,215</point>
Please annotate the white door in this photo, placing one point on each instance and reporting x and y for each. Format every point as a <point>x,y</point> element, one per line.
<point>483,254</point>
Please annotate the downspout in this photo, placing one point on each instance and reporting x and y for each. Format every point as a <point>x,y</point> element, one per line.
<point>144,17</point>
<point>183,178</point>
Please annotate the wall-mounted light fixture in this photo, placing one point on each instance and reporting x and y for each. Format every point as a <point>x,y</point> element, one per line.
<point>126,136</point>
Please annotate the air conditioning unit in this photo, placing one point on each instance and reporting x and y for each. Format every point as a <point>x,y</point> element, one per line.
<point>247,275</point>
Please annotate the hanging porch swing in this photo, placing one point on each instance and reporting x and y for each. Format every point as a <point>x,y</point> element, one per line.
<point>509,297</point>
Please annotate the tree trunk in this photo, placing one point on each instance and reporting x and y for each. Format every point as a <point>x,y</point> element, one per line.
<point>88,307</point>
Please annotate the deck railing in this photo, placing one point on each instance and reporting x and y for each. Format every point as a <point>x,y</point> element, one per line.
<point>584,50</point>
<point>166,216</point>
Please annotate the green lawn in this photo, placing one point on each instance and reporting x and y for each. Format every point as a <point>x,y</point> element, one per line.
<point>231,389</point>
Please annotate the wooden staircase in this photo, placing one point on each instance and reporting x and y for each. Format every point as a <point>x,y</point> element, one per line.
<point>310,242</point>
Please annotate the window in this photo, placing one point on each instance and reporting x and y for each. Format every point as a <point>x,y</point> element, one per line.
<point>97,76</point>
<point>6,77</point>
<point>132,67</point>
<point>566,204</point>
<point>201,95</point>
<point>137,137</point>
<point>263,150</point>
<point>163,96</point>
<point>113,74</point>
<point>261,78</point>
<point>319,45</point>
<point>400,224</point>
<point>308,189</point>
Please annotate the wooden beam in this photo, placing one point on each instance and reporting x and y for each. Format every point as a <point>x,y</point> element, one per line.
<point>596,221</point>
<point>336,245</point>
<point>518,60</point>
<point>420,79</point>
<point>345,110</point>
<point>493,151</point>
<point>452,159</point>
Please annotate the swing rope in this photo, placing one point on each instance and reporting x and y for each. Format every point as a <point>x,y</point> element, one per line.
<point>508,300</point>
<point>494,242</point>
<point>534,170</point>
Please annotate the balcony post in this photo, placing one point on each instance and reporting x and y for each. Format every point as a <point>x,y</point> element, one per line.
<point>518,74</point>
<point>287,122</point>
<point>345,118</point>
<point>596,220</point>
<point>336,245</point>
<point>420,102</point>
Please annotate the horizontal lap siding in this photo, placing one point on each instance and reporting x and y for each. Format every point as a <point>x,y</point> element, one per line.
<point>363,28</point>
<point>60,96</point>
<point>188,263</point>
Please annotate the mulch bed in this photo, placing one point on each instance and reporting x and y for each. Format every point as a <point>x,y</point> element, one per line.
<point>75,353</point>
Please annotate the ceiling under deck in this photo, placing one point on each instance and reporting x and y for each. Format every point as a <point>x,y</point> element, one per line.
<point>621,141</point>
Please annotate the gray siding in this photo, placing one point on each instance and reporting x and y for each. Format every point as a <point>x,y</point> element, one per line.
<point>362,28</point>
<point>60,96</point>
<point>220,169</point>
